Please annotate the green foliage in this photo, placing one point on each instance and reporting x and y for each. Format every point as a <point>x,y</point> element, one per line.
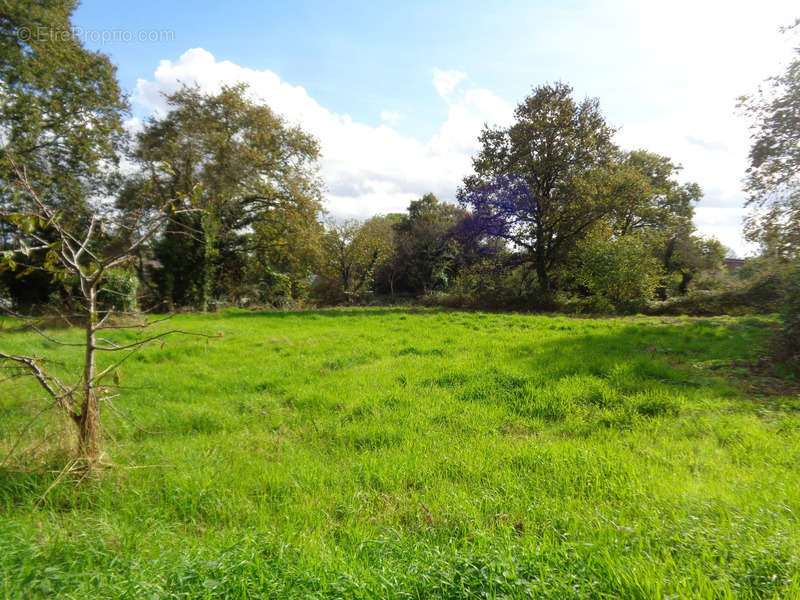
<point>774,174</point>
<point>61,118</point>
<point>426,453</point>
<point>688,256</point>
<point>426,249</point>
<point>255,179</point>
<point>352,252</point>
<point>620,273</point>
<point>760,293</point>
<point>548,181</point>
<point>649,201</point>
<point>648,197</point>
<point>62,107</point>
<point>492,283</point>
<point>787,342</point>
<point>119,290</point>
<point>536,183</point>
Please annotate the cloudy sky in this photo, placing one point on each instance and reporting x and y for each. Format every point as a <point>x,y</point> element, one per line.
<point>397,92</point>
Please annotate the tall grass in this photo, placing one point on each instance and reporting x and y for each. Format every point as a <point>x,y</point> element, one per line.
<point>429,454</point>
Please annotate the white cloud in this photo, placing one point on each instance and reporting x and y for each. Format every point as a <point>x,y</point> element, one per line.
<point>687,63</point>
<point>392,117</point>
<point>677,70</point>
<point>446,81</point>
<point>133,125</point>
<point>368,170</point>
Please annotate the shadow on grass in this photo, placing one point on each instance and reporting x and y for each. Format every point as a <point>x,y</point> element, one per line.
<point>674,343</point>
<point>680,355</point>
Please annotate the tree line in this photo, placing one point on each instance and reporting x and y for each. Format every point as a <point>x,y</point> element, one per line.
<point>554,214</point>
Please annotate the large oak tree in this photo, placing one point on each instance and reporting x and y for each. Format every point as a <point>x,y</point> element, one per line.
<point>535,182</point>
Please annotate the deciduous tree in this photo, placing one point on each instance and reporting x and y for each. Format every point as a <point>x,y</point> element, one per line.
<point>87,257</point>
<point>533,183</point>
<point>258,179</point>
<point>426,244</point>
<point>773,179</point>
<point>351,253</point>
<point>621,272</point>
<point>61,112</point>
<point>651,203</point>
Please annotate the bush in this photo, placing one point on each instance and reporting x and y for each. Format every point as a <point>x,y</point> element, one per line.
<point>264,287</point>
<point>761,294</point>
<point>119,290</point>
<point>786,344</point>
<point>618,273</point>
<point>492,285</point>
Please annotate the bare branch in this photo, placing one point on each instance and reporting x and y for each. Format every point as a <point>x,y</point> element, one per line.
<point>76,255</point>
<point>138,325</point>
<point>57,390</point>
<point>153,338</point>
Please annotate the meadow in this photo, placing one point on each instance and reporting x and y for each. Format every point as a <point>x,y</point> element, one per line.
<point>391,453</point>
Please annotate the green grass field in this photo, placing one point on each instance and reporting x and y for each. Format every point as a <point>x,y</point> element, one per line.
<point>384,453</point>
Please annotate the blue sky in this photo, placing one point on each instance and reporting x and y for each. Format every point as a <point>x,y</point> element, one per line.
<point>397,92</point>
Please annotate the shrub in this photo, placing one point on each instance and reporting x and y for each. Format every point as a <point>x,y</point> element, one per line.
<point>492,285</point>
<point>119,290</point>
<point>786,343</point>
<point>763,293</point>
<point>620,273</point>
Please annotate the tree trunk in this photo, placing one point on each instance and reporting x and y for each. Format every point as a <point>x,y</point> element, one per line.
<point>686,278</point>
<point>89,422</point>
<point>541,256</point>
<point>541,269</point>
<point>543,278</point>
<point>209,257</point>
<point>206,286</point>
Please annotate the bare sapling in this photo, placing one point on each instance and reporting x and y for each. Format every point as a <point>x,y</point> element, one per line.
<point>82,256</point>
